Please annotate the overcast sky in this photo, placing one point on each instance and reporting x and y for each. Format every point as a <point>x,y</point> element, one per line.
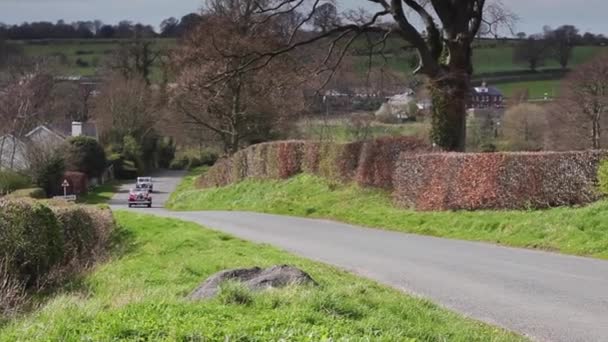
<point>534,13</point>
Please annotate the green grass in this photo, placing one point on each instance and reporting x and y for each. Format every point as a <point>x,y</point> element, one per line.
<point>139,296</point>
<point>100,195</point>
<point>579,231</point>
<point>537,89</point>
<point>93,52</point>
<point>340,131</point>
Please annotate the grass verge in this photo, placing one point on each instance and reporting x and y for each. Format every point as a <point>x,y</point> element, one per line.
<point>101,194</point>
<point>139,296</point>
<point>580,231</point>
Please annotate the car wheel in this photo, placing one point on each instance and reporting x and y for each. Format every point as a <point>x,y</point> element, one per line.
<point>150,205</point>
<point>130,205</point>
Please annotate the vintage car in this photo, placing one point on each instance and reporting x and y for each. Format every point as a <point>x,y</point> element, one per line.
<point>145,182</point>
<point>140,197</point>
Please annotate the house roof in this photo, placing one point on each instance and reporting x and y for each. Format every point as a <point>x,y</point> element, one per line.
<point>60,135</point>
<point>491,91</point>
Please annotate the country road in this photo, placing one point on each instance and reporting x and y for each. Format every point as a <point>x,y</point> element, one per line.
<point>546,296</point>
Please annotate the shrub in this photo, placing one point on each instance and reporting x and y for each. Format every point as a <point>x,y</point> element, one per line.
<point>30,240</point>
<point>192,159</point>
<point>85,154</point>
<point>496,180</point>
<point>80,234</point>
<point>123,169</point>
<point>47,173</point>
<point>602,177</point>
<point>36,193</point>
<point>11,181</point>
<point>78,183</point>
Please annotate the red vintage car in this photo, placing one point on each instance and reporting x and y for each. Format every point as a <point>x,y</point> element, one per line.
<point>140,197</point>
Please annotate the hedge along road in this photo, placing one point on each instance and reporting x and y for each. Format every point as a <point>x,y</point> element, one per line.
<point>546,296</point>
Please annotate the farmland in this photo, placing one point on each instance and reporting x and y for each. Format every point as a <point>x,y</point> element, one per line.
<point>491,61</point>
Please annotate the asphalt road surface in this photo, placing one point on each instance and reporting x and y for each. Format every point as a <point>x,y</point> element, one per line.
<point>545,296</point>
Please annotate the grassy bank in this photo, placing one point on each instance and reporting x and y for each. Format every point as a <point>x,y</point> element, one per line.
<point>139,296</point>
<point>101,194</point>
<point>579,231</point>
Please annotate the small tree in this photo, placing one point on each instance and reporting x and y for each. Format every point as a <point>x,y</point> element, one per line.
<point>532,51</point>
<point>562,41</point>
<point>86,155</point>
<point>583,102</point>
<point>525,127</point>
<point>246,106</point>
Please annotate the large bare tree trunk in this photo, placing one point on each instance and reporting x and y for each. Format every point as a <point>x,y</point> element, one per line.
<point>449,114</point>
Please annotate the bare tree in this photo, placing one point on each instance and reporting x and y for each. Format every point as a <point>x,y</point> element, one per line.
<point>127,108</point>
<point>562,41</point>
<point>525,127</point>
<point>326,17</point>
<point>583,102</point>
<point>250,104</point>
<point>22,107</point>
<point>444,49</point>
<point>136,58</point>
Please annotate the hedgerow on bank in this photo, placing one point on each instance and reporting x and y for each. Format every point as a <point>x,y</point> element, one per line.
<point>41,245</point>
<point>370,163</point>
<point>422,179</point>
<point>453,181</point>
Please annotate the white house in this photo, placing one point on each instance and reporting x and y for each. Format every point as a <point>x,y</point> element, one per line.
<point>13,151</point>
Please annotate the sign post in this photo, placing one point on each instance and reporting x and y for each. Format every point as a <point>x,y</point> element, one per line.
<point>65,185</point>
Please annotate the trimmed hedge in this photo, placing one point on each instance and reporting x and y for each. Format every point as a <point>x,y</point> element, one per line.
<point>366,162</point>
<point>36,193</point>
<point>453,181</point>
<point>30,240</point>
<point>423,180</point>
<point>41,245</point>
<point>79,183</point>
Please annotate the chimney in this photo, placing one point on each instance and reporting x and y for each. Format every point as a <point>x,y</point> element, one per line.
<point>76,129</point>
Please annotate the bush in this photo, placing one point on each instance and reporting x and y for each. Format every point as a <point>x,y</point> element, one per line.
<point>41,245</point>
<point>36,193</point>
<point>30,240</point>
<point>11,181</point>
<point>496,180</point>
<point>193,159</point>
<point>85,154</point>
<point>79,233</point>
<point>78,181</point>
<point>47,173</point>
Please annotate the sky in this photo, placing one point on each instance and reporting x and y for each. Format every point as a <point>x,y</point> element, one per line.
<point>534,14</point>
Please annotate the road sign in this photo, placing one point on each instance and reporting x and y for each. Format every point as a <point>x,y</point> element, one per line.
<point>65,185</point>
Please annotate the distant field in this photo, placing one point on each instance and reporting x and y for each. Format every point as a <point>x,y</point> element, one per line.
<point>78,57</point>
<point>537,89</point>
<point>85,57</point>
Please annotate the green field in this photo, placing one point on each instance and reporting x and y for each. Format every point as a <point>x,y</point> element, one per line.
<point>537,89</point>
<point>488,59</point>
<point>339,130</point>
<point>79,57</point>
<point>579,231</point>
<point>139,296</point>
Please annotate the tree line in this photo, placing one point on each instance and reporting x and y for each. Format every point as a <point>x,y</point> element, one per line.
<point>169,28</point>
<point>557,44</point>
